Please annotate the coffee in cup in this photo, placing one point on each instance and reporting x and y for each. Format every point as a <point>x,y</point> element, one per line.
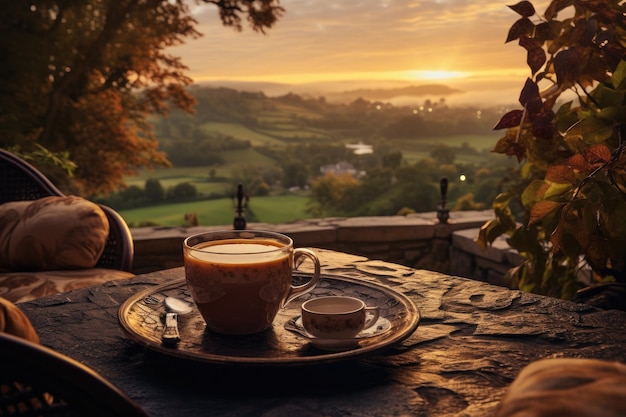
<point>239,279</point>
<point>337,317</point>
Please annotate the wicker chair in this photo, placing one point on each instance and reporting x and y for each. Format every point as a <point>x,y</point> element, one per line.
<point>37,381</point>
<point>19,180</point>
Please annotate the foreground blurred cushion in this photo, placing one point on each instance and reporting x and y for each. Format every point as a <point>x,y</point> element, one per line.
<point>51,233</point>
<point>567,387</point>
<point>14,321</point>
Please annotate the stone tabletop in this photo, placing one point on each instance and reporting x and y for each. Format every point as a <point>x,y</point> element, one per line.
<point>472,341</point>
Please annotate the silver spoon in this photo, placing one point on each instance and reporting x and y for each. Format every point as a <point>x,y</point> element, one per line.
<point>176,305</point>
<point>173,306</point>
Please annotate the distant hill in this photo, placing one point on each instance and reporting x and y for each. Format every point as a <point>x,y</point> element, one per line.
<point>432,90</point>
<point>342,91</point>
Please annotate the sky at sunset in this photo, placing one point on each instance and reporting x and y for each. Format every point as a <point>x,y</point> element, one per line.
<point>459,43</point>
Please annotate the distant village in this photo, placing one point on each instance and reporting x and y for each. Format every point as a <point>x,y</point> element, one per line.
<point>344,167</point>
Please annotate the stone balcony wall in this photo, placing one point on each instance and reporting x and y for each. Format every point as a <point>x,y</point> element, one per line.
<point>417,240</point>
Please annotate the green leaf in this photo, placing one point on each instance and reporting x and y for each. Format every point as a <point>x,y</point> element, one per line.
<point>565,117</point>
<point>557,189</point>
<point>619,76</point>
<point>614,114</point>
<point>591,130</point>
<point>502,200</point>
<point>547,30</point>
<point>602,193</point>
<point>607,96</point>
<point>615,223</point>
<point>490,231</point>
<point>535,191</point>
<point>525,240</point>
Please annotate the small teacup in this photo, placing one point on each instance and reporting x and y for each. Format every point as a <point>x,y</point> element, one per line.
<point>337,317</point>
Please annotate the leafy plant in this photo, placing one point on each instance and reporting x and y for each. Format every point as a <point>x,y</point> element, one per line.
<point>569,137</point>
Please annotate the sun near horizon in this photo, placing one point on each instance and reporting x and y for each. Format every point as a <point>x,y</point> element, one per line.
<point>479,79</point>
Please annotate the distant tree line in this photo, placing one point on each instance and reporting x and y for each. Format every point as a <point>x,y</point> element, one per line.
<point>153,193</point>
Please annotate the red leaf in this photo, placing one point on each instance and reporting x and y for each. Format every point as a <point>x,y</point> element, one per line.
<point>523,8</point>
<point>567,66</point>
<point>543,115</point>
<point>597,154</point>
<point>542,120</point>
<point>521,28</point>
<point>510,119</point>
<point>560,174</point>
<point>517,150</point>
<point>536,56</point>
<point>543,132</point>
<point>557,237</point>
<point>579,163</point>
<point>541,209</point>
<point>529,97</point>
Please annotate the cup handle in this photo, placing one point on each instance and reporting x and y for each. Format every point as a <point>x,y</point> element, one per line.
<point>298,290</point>
<point>372,317</point>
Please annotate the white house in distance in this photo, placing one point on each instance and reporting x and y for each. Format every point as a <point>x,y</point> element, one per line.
<point>342,167</point>
<point>360,148</point>
<point>345,167</point>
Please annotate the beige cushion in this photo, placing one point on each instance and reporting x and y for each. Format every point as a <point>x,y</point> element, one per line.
<point>51,233</point>
<point>13,321</point>
<point>19,287</point>
<point>567,387</point>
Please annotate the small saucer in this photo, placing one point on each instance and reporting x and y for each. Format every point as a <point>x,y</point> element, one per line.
<point>381,326</point>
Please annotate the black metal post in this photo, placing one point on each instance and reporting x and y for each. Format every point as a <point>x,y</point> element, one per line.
<point>240,220</point>
<point>443,214</point>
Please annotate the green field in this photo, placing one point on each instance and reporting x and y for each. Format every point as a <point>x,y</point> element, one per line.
<point>241,132</point>
<point>273,210</point>
<point>199,176</point>
<point>414,151</point>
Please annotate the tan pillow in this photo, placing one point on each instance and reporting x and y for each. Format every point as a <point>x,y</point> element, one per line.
<point>14,321</point>
<point>51,233</point>
<point>569,387</point>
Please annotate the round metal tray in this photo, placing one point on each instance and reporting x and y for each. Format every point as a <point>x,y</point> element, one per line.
<point>142,318</point>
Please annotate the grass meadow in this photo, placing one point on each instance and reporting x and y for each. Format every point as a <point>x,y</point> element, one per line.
<point>272,210</point>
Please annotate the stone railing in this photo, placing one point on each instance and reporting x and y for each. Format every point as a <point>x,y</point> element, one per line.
<point>417,240</point>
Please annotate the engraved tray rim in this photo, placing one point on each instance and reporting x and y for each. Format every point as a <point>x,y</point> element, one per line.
<point>401,328</point>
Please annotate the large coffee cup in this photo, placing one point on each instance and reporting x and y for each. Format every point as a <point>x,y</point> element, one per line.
<point>239,279</point>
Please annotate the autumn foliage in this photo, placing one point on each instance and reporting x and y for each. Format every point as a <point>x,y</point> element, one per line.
<point>569,137</point>
<point>79,78</point>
